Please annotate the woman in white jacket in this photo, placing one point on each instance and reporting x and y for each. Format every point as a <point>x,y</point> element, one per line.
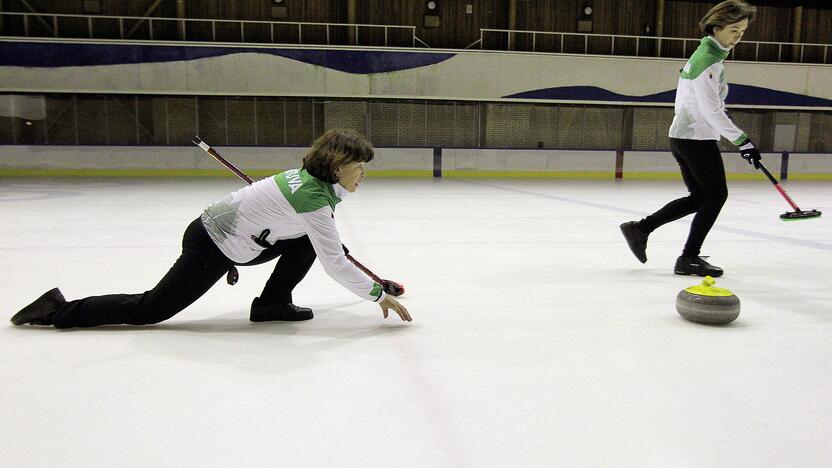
<point>699,122</point>
<point>290,215</point>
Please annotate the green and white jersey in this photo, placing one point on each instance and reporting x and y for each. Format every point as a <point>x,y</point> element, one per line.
<point>290,205</point>
<point>700,97</point>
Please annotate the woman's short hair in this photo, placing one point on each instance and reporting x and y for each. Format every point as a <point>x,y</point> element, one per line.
<point>334,149</point>
<point>725,13</point>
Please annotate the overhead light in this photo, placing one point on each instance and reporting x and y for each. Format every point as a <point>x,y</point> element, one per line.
<point>431,5</point>
<point>587,10</point>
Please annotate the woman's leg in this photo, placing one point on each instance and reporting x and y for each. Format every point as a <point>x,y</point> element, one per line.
<point>275,302</point>
<point>296,258</point>
<point>705,162</point>
<point>199,267</point>
<point>680,207</point>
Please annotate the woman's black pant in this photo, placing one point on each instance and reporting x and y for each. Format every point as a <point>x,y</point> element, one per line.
<point>704,176</point>
<point>199,267</point>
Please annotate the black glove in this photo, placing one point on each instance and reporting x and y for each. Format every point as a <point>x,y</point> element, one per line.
<point>750,153</point>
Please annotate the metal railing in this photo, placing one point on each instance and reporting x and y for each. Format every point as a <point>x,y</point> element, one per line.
<point>643,46</point>
<point>308,33</point>
<point>213,30</point>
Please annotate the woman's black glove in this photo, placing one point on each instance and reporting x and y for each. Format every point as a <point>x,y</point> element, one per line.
<point>750,153</point>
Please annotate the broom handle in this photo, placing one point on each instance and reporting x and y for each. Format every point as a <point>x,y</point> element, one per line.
<point>779,188</point>
<point>208,149</point>
<point>205,146</point>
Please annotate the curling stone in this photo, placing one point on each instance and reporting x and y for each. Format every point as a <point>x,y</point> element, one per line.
<point>706,303</point>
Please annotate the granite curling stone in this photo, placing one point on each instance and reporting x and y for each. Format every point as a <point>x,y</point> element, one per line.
<point>706,303</point>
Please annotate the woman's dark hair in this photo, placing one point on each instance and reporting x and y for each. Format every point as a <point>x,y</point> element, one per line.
<point>725,13</point>
<point>334,149</point>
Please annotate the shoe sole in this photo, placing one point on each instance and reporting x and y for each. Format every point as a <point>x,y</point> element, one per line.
<point>276,318</point>
<point>689,273</point>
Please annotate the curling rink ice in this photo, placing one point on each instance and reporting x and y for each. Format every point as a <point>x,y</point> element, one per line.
<point>537,339</point>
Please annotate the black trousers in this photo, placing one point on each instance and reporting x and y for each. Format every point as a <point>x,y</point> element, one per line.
<point>199,267</point>
<point>704,175</point>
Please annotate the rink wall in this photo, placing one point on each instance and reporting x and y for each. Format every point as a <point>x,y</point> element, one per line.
<point>178,161</point>
<point>138,67</point>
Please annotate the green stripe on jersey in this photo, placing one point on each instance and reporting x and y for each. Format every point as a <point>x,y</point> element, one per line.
<point>304,192</point>
<point>707,54</point>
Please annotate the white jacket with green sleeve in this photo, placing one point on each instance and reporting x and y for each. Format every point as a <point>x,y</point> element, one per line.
<point>290,205</point>
<point>700,97</point>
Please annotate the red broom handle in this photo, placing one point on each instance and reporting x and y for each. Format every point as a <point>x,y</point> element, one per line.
<point>779,188</point>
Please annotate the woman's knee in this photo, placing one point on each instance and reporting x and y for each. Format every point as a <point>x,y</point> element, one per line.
<point>715,198</point>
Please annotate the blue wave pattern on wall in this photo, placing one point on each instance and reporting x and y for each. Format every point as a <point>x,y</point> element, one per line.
<point>738,94</point>
<point>590,93</point>
<point>21,54</point>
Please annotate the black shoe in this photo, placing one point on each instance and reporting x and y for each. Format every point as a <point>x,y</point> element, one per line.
<point>636,239</point>
<point>40,312</point>
<point>287,312</point>
<point>696,266</point>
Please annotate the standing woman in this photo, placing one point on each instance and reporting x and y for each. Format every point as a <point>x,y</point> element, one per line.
<point>290,215</point>
<point>699,122</point>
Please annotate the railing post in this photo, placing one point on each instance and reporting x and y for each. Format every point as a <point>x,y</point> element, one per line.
<point>586,44</point>
<point>356,34</point>
<point>242,32</point>
<point>561,43</point>
<point>385,36</point>
<point>300,35</point>
<point>25,28</point>
<point>779,52</point>
<point>612,46</point>
<point>327,34</point>
<point>150,25</point>
<point>534,42</point>
<point>637,46</point>
<point>757,52</point>
<point>55,25</point>
<point>801,52</point>
<point>121,28</point>
<point>89,25</point>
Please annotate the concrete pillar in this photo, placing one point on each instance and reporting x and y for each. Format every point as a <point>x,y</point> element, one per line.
<point>512,22</point>
<point>659,25</point>
<point>352,18</point>
<point>180,13</point>
<point>797,32</point>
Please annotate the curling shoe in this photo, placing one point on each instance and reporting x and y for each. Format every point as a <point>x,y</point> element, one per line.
<point>636,239</point>
<point>40,312</point>
<point>696,266</point>
<point>286,312</point>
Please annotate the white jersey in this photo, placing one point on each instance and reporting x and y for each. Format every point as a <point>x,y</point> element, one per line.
<point>289,205</point>
<point>700,97</point>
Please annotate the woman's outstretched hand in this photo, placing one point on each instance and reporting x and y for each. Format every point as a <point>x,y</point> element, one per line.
<point>389,303</point>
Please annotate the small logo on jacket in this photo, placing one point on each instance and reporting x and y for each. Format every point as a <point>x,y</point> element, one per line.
<point>376,292</point>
